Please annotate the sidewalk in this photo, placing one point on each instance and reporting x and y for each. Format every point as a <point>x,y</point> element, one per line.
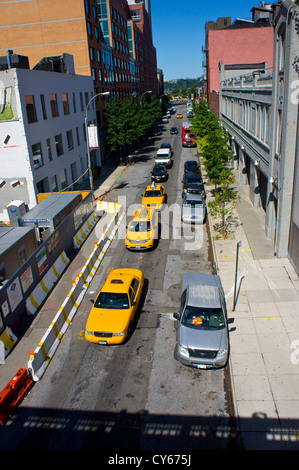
<point>265,332</point>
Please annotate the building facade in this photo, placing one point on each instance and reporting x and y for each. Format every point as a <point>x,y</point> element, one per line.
<point>260,112</point>
<point>243,42</point>
<point>42,130</point>
<point>96,33</point>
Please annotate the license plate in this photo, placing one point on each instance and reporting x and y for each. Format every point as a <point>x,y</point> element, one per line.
<point>102,342</point>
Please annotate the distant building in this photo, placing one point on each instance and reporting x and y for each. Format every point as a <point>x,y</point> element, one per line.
<point>243,42</point>
<point>42,131</point>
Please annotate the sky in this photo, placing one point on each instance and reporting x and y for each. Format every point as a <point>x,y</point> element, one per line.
<point>179,31</point>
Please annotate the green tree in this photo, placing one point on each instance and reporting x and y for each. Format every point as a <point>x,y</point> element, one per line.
<point>127,120</point>
<point>123,124</point>
<point>225,201</point>
<point>212,142</point>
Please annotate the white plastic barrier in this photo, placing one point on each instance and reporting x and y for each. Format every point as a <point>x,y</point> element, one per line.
<point>41,357</point>
<point>44,287</point>
<point>84,231</point>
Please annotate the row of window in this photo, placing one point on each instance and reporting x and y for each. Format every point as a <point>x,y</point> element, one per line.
<point>68,101</point>
<point>37,153</point>
<point>251,116</point>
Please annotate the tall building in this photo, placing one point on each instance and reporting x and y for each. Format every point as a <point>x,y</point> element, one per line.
<point>145,55</point>
<point>126,26</point>
<point>96,33</point>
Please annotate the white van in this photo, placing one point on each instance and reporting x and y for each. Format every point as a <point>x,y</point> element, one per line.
<point>163,157</point>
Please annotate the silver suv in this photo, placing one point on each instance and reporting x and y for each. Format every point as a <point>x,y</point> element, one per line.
<point>202,331</point>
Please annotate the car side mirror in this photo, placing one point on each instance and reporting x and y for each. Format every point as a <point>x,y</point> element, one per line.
<point>92,301</point>
<point>133,303</point>
<point>176,316</point>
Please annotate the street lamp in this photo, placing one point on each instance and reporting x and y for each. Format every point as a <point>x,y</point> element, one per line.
<point>143,96</point>
<point>87,138</point>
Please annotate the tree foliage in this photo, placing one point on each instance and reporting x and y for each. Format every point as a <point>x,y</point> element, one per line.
<point>212,142</point>
<point>225,201</point>
<point>127,120</point>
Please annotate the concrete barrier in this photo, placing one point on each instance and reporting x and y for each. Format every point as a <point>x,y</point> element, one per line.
<point>41,357</point>
<point>84,231</point>
<point>42,290</point>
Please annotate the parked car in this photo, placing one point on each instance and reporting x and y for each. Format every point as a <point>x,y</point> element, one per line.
<point>179,116</point>
<point>193,209</point>
<point>154,196</point>
<point>174,130</point>
<point>191,166</point>
<point>142,232</point>
<point>202,338</point>
<point>165,119</point>
<point>192,183</point>
<point>159,173</point>
<point>111,317</point>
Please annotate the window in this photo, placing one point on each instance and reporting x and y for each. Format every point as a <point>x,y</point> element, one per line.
<point>42,100</point>
<point>89,29</point>
<point>87,7</point>
<point>74,103</point>
<point>63,179</point>
<point>279,132</point>
<point>30,108</point>
<point>94,12</point>
<point>65,103</point>
<point>267,124</point>
<point>91,52</point>
<point>78,137</point>
<point>70,143</point>
<point>54,187</point>
<point>49,150</point>
<point>59,145</point>
<point>54,105</point>
<point>37,155</point>
<point>81,101</point>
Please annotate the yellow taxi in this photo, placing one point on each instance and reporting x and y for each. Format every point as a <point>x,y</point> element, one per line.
<point>111,317</point>
<point>143,230</point>
<point>154,196</point>
<point>179,116</point>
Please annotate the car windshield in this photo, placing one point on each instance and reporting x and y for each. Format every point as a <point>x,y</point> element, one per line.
<point>152,193</point>
<point>192,203</point>
<point>112,300</point>
<point>159,171</point>
<point>142,226</point>
<point>190,136</point>
<point>203,318</point>
<point>193,178</point>
<point>191,165</point>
